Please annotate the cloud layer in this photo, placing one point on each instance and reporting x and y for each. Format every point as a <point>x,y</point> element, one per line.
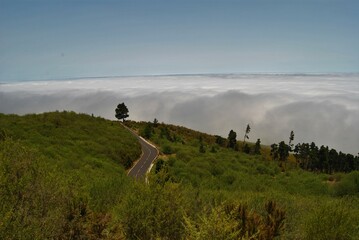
<point>319,108</point>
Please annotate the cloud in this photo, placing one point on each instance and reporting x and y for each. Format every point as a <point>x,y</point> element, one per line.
<point>320,108</point>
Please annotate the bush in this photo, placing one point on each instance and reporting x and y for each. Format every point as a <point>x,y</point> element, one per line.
<point>349,185</point>
<point>236,221</point>
<point>167,149</point>
<point>330,221</point>
<point>153,212</point>
<point>31,204</point>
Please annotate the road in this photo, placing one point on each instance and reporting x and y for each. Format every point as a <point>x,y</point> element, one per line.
<point>149,154</point>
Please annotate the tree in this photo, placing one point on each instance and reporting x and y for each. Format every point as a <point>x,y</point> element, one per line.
<point>147,131</point>
<point>220,141</point>
<point>257,147</point>
<point>248,129</point>
<point>155,122</point>
<point>280,152</point>
<point>246,149</point>
<point>232,140</point>
<point>274,151</point>
<point>283,151</point>
<point>291,138</point>
<point>121,111</point>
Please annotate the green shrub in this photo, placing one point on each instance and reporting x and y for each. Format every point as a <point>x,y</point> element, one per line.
<point>237,221</point>
<point>348,185</point>
<point>167,149</point>
<point>330,221</point>
<point>153,212</point>
<point>31,201</point>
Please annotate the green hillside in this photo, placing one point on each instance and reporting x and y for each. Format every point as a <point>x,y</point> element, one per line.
<point>54,164</point>
<point>62,177</point>
<point>316,205</point>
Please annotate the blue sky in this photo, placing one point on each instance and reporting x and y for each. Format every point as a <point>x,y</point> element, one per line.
<point>68,39</point>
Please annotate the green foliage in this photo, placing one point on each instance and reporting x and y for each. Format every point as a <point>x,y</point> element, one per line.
<point>153,212</point>
<point>74,140</point>
<point>65,188</point>
<point>202,149</point>
<point>61,178</point>
<point>280,152</point>
<point>246,148</point>
<point>167,149</point>
<point>236,221</point>
<point>257,147</point>
<point>147,131</point>
<point>36,201</point>
<point>248,129</point>
<point>348,185</point>
<point>332,220</point>
<point>121,111</point>
<point>226,175</point>
<point>323,159</point>
<point>160,164</point>
<point>29,200</point>
<point>232,140</point>
<point>291,138</point>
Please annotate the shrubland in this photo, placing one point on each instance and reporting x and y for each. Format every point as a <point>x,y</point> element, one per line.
<point>63,176</point>
<point>218,175</point>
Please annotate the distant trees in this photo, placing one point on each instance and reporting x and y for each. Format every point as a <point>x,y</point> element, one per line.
<point>257,147</point>
<point>310,157</point>
<point>232,140</point>
<point>281,150</point>
<point>220,141</point>
<point>121,111</point>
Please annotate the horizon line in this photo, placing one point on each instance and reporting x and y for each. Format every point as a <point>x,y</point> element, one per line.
<point>184,74</point>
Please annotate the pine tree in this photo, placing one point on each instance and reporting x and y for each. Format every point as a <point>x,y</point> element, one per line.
<point>121,111</point>
<point>257,147</point>
<point>232,140</point>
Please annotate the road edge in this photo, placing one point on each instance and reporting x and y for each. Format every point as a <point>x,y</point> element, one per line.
<point>149,143</point>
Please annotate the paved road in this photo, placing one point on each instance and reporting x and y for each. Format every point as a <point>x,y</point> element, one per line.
<point>149,154</point>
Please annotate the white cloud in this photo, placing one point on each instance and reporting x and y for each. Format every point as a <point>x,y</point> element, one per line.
<point>320,108</point>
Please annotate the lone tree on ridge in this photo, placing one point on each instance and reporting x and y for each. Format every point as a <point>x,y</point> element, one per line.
<point>248,129</point>
<point>291,138</point>
<point>232,140</point>
<point>121,111</point>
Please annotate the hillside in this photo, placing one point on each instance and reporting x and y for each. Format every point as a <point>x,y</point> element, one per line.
<point>316,205</point>
<point>62,177</point>
<point>67,160</point>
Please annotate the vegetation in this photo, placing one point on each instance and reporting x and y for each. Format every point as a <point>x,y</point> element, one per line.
<point>228,177</point>
<point>323,159</point>
<point>121,111</point>
<point>248,129</point>
<point>61,179</point>
<point>232,140</point>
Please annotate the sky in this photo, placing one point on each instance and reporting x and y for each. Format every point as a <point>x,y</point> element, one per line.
<point>53,39</point>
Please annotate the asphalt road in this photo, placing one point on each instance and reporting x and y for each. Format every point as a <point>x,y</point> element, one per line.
<point>149,154</point>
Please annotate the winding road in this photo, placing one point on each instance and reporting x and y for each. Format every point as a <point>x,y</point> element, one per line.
<point>143,165</point>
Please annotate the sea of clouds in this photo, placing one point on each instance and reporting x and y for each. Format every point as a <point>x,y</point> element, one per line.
<point>320,108</point>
